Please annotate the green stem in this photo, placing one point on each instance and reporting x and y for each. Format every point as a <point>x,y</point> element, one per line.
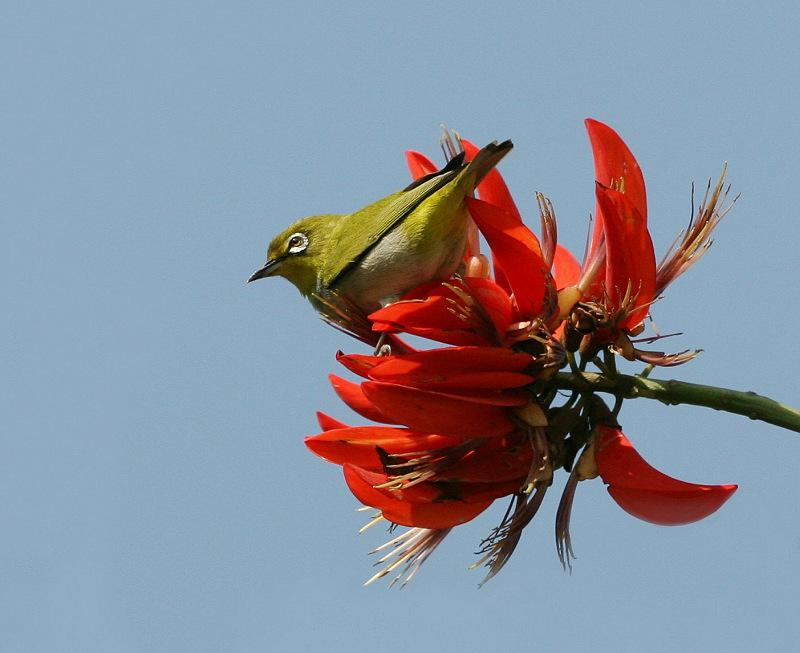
<point>672,392</point>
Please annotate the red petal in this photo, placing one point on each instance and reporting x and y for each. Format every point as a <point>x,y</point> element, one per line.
<point>456,338</point>
<point>614,161</point>
<point>419,164</point>
<point>422,515</point>
<point>418,493</point>
<point>327,423</point>
<point>360,364</point>
<point>457,368</point>
<point>437,492</point>
<point>615,166</point>
<point>487,397</point>
<point>495,461</point>
<point>495,300</point>
<point>358,445</point>
<point>428,312</point>
<point>477,384</point>
<point>416,317</point>
<point>630,259</point>
<point>566,269</point>
<point>455,360</point>
<point>672,508</point>
<point>352,394</point>
<point>493,188</point>
<point>477,492</point>
<point>438,413</point>
<point>510,227</point>
<point>648,494</point>
<point>517,252</point>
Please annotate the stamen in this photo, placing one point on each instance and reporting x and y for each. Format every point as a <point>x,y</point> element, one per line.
<point>563,541</point>
<point>500,545</point>
<point>450,143</point>
<point>423,465</point>
<point>549,230</point>
<point>410,549</point>
<point>692,243</point>
<point>473,313</point>
<point>592,265</point>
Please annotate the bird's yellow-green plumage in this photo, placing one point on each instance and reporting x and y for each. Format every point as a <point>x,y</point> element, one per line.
<point>379,253</point>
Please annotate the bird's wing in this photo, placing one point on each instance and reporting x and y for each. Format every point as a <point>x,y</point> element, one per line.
<point>354,243</point>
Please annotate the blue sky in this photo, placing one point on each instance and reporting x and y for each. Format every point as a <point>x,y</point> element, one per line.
<point>155,493</point>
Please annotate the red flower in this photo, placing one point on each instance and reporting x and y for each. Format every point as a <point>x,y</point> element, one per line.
<point>461,426</point>
<point>620,270</point>
<point>460,446</point>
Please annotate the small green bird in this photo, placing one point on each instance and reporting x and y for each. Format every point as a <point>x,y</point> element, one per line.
<point>377,254</point>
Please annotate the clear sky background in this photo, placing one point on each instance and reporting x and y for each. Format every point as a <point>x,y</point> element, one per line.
<point>155,494</point>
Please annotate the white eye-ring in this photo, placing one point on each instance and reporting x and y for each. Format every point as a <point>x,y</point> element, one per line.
<point>297,243</point>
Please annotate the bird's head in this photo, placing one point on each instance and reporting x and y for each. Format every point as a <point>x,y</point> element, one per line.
<point>299,252</point>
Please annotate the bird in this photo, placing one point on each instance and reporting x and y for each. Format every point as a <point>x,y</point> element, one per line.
<point>374,256</point>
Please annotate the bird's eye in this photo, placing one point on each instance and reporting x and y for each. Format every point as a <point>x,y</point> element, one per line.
<point>297,243</point>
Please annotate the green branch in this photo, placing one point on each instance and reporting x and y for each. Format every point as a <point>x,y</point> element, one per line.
<point>672,393</point>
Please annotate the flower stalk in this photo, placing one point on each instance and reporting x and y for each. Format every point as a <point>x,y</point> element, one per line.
<point>672,393</point>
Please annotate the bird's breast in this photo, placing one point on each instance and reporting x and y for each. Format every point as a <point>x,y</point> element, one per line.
<point>392,268</point>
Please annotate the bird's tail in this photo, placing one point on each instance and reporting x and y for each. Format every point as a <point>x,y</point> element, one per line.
<point>487,158</point>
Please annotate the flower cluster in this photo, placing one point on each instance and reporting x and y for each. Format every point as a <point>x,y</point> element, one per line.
<point>482,415</point>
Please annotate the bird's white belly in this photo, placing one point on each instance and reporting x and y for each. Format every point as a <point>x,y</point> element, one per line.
<point>391,269</point>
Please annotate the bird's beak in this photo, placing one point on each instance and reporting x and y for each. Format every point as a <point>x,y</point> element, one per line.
<point>270,267</point>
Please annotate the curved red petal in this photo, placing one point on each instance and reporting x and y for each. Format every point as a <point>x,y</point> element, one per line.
<point>566,269</point>
<point>487,397</point>
<point>460,359</point>
<point>438,413</point>
<point>359,364</point>
<point>495,300</point>
<point>630,258</point>
<point>357,445</point>
<point>497,460</point>
<point>476,384</point>
<point>672,508</point>
<point>506,226</point>
<point>352,394</point>
<point>457,367</point>
<point>615,167</point>
<point>488,491</point>
<point>493,188</point>
<point>421,515</point>
<point>328,423</point>
<point>455,338</point>
<point>418,493</point>
<point>516,251</point>
<point>428,312</point>
<point>419,165</point>
<point>644,492</point>
<point>613,161</point>
<point>438,492</point>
